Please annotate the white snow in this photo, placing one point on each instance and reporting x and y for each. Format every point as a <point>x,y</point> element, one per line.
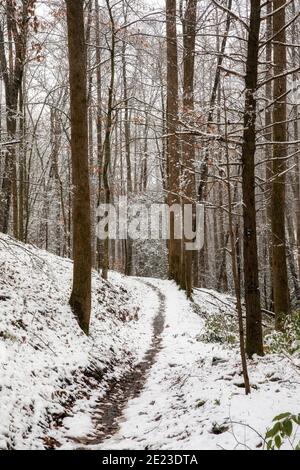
<point>78,426</point>
<point>187,399</point>
<point>192,398</point>
<point>44,354</point>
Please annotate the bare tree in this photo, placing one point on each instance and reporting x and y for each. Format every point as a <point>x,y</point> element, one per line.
<point>254,342</point>
<point>108,131</point>
<point>189,22</point>
<point>279,263</point>
<point>173,156</point>
<point>12,63</point>
<point>81,294</point>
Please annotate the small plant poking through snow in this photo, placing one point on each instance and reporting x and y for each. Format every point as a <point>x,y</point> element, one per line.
<point>282,432</point>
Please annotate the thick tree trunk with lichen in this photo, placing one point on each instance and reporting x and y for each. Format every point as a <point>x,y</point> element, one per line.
<point>81,294</point>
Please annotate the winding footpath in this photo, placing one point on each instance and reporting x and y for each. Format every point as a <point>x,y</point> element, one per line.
<point>186,392</point>
<point>110,408</point>
<point>156,411</point>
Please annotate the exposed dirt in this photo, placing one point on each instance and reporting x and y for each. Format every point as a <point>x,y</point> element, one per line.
<point>110,408</point>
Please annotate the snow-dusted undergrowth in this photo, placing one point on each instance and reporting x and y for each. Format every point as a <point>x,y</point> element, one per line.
<point>50,373</point>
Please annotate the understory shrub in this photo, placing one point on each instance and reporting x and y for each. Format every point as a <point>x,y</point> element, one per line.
<point>287,341</point>
<point>220,328</point>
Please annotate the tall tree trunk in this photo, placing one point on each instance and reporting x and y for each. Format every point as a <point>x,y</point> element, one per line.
<point>173,160</point>
<point>128,251</point>
<point>202,196</point>
<point>108,132</point>
<point>188,177</point>
<point>99,125</point>
<point>81,294</point>
<point>254,342</point>
<point>54,173</point>
<point>22,163</point>
<point>11,70</point>
<point>280,277</point>
<point>90,75</point>
<point>9,173</point>
<point>235,260</point>
<point>12,83</point>
<point>296,57</point>
<point>268,124</point>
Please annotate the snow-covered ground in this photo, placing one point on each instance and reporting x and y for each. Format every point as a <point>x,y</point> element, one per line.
<point>51,375</point>
<point>50,372</point>
<point>193,398</point>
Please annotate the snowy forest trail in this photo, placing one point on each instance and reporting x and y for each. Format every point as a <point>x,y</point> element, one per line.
<point>186,392</point>
<point>146,418</point>
<point>143,398</point>
<point>192,396</point>
<point>110,408</point>
<point>157,371</point>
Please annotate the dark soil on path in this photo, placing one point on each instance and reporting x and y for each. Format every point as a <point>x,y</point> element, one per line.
<point>109,410</point>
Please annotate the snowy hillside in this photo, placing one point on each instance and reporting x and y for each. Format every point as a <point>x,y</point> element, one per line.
<point>154,374</point>
<point>46,363</point>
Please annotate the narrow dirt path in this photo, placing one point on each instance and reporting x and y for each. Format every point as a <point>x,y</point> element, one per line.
<point>110,408</point>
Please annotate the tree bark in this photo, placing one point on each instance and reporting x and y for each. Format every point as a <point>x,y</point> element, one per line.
<point>173,160</point>
<point>81,294</point>
<point>235,260</point>
<point>129,247</point>
<point>268,124</point>
<point>12,63</point>
<point>189,182</point>
<point>99,126</point>
<point>108,132</point>
<point>279,264</point>
<point>254,341</point>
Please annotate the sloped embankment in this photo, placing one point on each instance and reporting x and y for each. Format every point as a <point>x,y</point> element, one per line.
<point>51,373</point>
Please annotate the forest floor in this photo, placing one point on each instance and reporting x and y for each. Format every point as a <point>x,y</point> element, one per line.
<point>152,375</point>
<point>194,396</point>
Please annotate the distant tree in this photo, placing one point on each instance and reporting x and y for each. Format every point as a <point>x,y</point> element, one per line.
<point>19,17</point>
<point>108,131</point>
